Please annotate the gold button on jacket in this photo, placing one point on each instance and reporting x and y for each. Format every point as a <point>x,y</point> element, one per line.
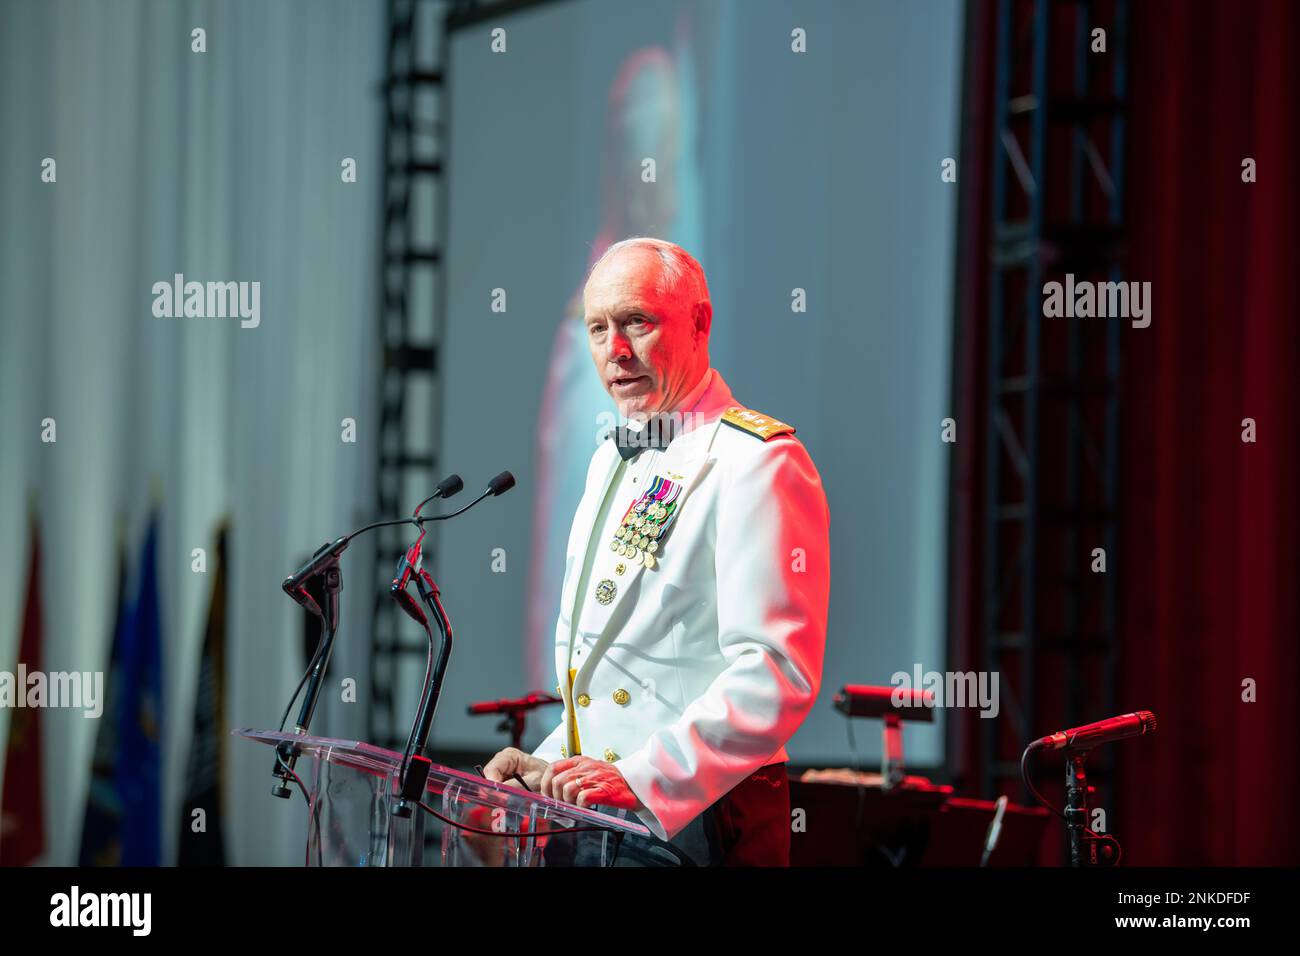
<point>621,697</point>
<point>583,700</point>
<point>610,756</point>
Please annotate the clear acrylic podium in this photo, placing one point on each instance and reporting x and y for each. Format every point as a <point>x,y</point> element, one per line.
<point>349,824</point>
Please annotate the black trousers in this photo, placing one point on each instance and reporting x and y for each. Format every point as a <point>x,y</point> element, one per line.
<point>750,826</point>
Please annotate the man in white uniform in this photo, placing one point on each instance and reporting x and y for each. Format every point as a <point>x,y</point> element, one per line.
<point>692,618</point>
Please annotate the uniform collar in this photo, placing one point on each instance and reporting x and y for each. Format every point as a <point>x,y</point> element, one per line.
<point>704,404</point>
<point>714,399</point>
<point>694,396</point>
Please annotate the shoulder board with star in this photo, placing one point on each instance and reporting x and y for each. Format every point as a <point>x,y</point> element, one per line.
<point>755,423</point>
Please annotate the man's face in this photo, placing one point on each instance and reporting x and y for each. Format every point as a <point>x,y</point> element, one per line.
<point>648,348</point>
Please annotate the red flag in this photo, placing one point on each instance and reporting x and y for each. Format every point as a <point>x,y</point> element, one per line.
<point>22,813</point>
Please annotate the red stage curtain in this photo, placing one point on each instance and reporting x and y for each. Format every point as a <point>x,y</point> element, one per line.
<point>1209,523</point>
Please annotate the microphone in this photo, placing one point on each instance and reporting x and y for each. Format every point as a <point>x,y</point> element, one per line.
<point>508,706</point>
<point>451,485</point>
<point>327,556</point>
<point>1078,739</point>
<point>497,486</point>
<point>328,553</point>
<point>411,561</point>
<point>501,483</point>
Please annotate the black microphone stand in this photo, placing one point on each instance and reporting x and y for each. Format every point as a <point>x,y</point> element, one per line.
<point>514,724</point>
<point>1087,849</point>
<point>325,565</point>
<point>286,754</point>
<point>416,764</point>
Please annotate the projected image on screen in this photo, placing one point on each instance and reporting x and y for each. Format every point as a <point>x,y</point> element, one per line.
<point>645,118</point>
<point>793,179</point>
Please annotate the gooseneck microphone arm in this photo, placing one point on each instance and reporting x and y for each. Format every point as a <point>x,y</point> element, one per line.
<point>326,556</point>
<point>451,514</point>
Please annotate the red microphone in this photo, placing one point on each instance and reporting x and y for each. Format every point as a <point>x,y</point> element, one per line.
<point>1102,732</point>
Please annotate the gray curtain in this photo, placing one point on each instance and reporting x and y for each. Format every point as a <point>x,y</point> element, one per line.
<point>224,166</point>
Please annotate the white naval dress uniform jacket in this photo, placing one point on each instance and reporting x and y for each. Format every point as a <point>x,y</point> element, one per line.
<point>698,670</point>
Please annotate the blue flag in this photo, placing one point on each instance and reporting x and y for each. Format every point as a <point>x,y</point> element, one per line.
<point>101,836</point>
<point>138,774</point>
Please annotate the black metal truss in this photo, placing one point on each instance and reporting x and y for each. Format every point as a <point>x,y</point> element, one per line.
<point>410,321</point>
<point>1052,395</point>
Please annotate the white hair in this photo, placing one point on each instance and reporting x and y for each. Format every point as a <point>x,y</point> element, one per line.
<point>681,273</point>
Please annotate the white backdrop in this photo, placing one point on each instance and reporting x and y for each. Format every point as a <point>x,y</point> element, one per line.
<point>224,166</point>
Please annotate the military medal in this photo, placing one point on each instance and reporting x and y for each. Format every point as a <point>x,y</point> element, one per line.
<point>638,535</point>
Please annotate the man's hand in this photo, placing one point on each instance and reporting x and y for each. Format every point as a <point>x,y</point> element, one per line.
<point>512,760</point>
<point>588,782</point>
